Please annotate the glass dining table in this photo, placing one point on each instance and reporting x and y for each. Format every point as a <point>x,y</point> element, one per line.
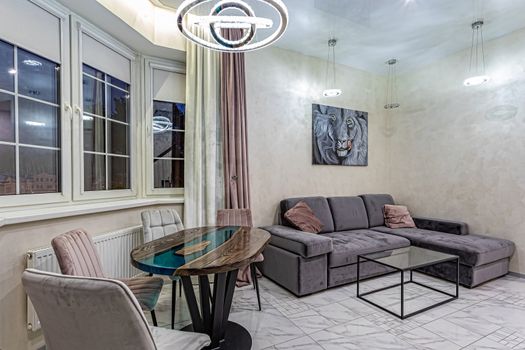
<point>200,252</point>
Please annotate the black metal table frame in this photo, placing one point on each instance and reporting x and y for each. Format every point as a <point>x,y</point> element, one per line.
<point>212,318</point>
<point>402,284</point>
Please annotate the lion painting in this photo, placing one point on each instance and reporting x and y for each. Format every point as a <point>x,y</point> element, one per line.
<point>340,136</point>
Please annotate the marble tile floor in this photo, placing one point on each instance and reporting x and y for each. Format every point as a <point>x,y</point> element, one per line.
<point>491,316</point>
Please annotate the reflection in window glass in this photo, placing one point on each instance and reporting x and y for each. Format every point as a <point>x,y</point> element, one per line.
<point>37,77</point>
<point>94,96</point>
<point>7,66</point>
<point>168,144</point>
<point>93,72</point>
<point>38,123</point>
<point>7,118</point>
<point>7,170</point>
<point>118,173</point>
<point>94,172</point>
<point>119,101</point>
<point>118,138</point>
<point>39,170</point>
<point>94,131</point>
<point>168,173</point>
<point>118,83</point>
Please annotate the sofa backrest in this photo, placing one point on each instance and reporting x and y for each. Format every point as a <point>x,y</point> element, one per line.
<point>374,204</point>
<point>319,206</point>
<point>349,213</point>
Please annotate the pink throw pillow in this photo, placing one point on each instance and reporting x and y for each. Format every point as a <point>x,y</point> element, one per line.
<point>398,216</point>
<point>302,217</point>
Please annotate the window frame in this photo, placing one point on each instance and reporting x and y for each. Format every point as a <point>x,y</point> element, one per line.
<point>18,201</point>
<point>151,64</point>
<point>79,28</point>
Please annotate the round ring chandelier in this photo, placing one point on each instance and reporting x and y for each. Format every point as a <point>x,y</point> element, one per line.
<point>217,20</point>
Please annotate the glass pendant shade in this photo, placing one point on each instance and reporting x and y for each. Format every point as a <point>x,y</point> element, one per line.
<point>391,88</point>
<point>477,74</point>
<point>331,90</point>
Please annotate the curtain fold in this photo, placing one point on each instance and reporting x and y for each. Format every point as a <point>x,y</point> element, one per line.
<point>234,125</point>
<point>203,165</point>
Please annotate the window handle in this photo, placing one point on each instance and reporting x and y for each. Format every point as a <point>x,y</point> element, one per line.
<point>78,110</point>
<point>68,110</point>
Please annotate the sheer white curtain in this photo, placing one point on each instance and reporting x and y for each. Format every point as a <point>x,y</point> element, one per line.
<point>203,165</point>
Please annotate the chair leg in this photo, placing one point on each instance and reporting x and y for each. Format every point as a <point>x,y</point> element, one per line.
<point>154,318</point>
<point>256,284</point>
<point>173,302</point>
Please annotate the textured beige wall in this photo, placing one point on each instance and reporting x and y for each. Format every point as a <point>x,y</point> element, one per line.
<point>16,240</point>
<point>453,156</point>
<point>281,87</point>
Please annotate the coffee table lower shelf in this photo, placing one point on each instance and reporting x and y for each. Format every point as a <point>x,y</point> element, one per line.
<point>402,315</point>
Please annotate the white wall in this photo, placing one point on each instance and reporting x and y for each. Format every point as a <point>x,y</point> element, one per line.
<point>452,156</point>
<point>281,87</point>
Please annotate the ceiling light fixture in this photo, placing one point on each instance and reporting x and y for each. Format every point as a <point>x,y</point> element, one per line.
<point>12,71</point>
<point>32,63</point>
<point>331,90</point>
<point>391,88</point>
<point>477,74</point>
<point>217,20</point>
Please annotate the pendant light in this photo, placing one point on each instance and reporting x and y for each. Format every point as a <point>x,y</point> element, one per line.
<point>331,89</point>
<point>391,88</point>
<point>217,20</point>
<point>477,74</point>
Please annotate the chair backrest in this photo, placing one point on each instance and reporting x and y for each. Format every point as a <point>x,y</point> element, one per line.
<point>159,223</point>
<point>85,313</point>
<point>77,255</point>
<point>234,217</point>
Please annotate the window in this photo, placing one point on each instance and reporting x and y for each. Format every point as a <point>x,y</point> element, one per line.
<point>168,144</point>
<point>30,119</point>
<point>106,131</point>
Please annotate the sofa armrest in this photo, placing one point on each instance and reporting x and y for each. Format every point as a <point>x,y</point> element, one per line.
<point>447,226</point>
<point>303,243</point>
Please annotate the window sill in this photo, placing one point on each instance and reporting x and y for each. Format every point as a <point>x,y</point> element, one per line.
<point>32,215</point>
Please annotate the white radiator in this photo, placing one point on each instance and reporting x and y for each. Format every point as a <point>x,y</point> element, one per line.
<point>114,249</point>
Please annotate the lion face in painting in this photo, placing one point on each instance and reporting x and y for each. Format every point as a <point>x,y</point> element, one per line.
<point>340,136</point>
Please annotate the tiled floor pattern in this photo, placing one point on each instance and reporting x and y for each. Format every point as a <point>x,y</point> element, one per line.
<point>491,316</point>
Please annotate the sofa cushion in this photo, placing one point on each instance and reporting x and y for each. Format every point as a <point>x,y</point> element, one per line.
<point>349,213</point>
<point>303,218</point>
<point>374,204</point>
<point>347,245</point>
<point>473,250</point>
<point>398,216</point>
<point>319,206</point>
<point>298,242</point>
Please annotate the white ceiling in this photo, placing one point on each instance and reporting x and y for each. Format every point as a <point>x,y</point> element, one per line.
<point>369,32</point>
<point>417,32</point>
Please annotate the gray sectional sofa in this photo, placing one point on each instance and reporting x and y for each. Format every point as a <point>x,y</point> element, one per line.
<point>306,263</point>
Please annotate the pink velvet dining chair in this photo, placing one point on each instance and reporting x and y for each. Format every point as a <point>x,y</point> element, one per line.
<point>242,217</point>
<point>77,256</point>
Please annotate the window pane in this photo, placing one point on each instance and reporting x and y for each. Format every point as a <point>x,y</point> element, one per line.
<point>38,77</point>
<point>7,66</point>
<point>92,71</point>
<point>119,83</point>
<point>39,124</point>
<point>7,170</point>
<point>119,104</point>
<point>169,112</point>
<point>168,144</point>
<point>39,170</point>
<point>94,172</point>
<point>118,173</point>
<point>94,96</point>
<point>94,133</point>
<point>7,118</point>
<point>118,138</point>
<point>168,173</point>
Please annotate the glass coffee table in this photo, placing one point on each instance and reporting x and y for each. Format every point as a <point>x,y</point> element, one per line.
<point>405,260</point>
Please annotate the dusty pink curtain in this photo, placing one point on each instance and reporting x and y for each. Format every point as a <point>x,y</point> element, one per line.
<point>235,138</point>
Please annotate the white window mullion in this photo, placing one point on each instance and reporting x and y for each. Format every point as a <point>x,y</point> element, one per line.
<point>17,138</point>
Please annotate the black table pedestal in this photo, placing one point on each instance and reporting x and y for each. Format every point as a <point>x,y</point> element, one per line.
<point>212,317</point>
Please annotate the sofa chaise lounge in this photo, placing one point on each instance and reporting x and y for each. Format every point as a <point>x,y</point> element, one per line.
<point>306,263</point>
